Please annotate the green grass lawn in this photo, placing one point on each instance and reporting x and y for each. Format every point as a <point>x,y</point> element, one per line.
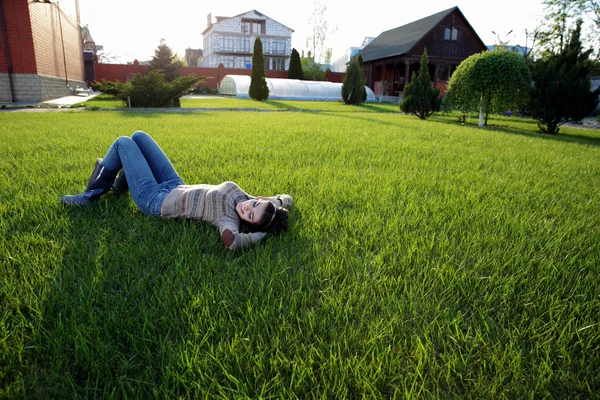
<point>221,102</point>
<point>425,259</point>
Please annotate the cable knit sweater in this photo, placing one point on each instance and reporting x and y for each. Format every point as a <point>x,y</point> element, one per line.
<point>214,204</point>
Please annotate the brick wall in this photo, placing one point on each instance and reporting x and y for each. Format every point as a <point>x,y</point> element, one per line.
<point>117,72</point>
<point>20,38</point>
<point>56,39</point>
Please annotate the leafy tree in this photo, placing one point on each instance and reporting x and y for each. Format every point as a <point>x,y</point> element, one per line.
<point>353,88</point>
<point>295,71</point>
<point>312,70</point>
<point>561,89</point>
<point>420,98</point>
<point>258,83</point>
<point>492,81</point>
<point>164,60</point>
<point>560,17</point>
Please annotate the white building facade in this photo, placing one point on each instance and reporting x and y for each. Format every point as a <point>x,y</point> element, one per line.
<point>230,41</point>
<point>341,64</point>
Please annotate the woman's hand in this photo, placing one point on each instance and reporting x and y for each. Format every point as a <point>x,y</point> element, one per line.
<point>235,241</point>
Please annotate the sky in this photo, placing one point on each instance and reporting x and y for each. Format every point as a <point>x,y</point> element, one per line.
<point>132,29</point>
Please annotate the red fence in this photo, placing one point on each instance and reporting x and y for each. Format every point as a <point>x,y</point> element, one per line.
<point>124,72</point>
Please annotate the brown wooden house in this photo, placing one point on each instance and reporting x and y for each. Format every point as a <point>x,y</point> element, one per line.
<point>395,54</point>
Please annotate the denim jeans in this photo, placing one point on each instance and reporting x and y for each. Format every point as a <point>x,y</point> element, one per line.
<point>150,175</point>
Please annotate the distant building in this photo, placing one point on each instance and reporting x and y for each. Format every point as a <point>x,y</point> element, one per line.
<point>41,53</point>
<point>341,64</point>
<point>395,54</point>
<point>515,49</point>
<point>193,57</point>
<point>230,41</point>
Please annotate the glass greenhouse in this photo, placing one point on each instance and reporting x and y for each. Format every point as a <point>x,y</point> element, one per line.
<point>287,89</point>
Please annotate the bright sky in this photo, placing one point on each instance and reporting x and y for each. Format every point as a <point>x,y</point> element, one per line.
<point>132,29</point>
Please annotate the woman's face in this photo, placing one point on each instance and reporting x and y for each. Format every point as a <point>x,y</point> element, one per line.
<point>251,210</point>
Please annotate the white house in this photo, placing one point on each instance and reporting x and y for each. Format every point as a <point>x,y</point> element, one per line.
<point>341,64</point>
<point>230,41</point>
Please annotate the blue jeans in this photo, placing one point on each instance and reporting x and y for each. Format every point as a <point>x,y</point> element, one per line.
<point>150,175</point>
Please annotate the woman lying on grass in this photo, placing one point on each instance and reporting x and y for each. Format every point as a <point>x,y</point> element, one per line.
<point>158,190</point>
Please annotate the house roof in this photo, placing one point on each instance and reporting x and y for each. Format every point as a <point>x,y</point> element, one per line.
<point>219,19</point>
<point>400,40</point>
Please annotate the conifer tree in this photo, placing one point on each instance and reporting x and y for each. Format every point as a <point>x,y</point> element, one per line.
<point>258,83</point>
<point>295,71</point>
<point>420,98</point>
<point>165,61</point>
<point>364,89</point>
<point>561,86</point>
<point>353,88</point>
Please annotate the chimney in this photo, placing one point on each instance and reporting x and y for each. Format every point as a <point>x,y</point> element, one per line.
<point>209,20</point>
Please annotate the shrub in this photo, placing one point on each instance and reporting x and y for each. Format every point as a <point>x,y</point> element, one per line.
<point>108,87</point>
<point>150,90</point>
<point>420,98</point>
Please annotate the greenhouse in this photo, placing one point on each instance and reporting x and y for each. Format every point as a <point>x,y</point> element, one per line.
<point>287,89</point>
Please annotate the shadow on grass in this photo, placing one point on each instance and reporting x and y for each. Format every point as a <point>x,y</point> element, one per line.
<point>282,106</point>
<point>497,126</point>
<point>360,117</point>
<point>136,295</point>
<point>381,108</point>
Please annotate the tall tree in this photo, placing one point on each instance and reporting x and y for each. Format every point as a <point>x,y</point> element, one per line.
<point>560,18</point>
<point>258,82</point>
<point>561,89</point>
<point>492,81</point>
<point>165,61</point>
<point>420,98</point>
<point>316,42</point>
<point>353,88</point>
<point>295,71</point>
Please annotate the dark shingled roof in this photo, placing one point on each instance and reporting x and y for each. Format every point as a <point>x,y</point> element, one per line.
<point>400,40</point>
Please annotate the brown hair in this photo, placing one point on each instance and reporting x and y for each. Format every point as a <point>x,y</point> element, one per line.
<point>274,219</point>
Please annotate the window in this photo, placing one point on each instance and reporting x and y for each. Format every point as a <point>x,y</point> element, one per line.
<point>279,64</point>
<point>245,27</point>
<point>243,62</point>
<point>257,28</point>
<point>242,44</point>
<point>228,62</point>
<point>278,47</point>
<point>266,46</point>
<point>446,72</point>
<point>228,44</point>
<point>451,33</point>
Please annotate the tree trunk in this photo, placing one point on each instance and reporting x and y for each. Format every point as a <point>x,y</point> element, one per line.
<point>481,110</point>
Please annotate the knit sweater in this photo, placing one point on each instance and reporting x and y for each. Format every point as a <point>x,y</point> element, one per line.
<point>214,204</point>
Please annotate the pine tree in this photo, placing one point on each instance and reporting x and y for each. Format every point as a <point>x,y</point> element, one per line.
<point>420,98</point>
<point>353,88</point>
<point>165,61</point>
<point>561,89</point>
<point>258,83</point>
<point>295,71</point>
